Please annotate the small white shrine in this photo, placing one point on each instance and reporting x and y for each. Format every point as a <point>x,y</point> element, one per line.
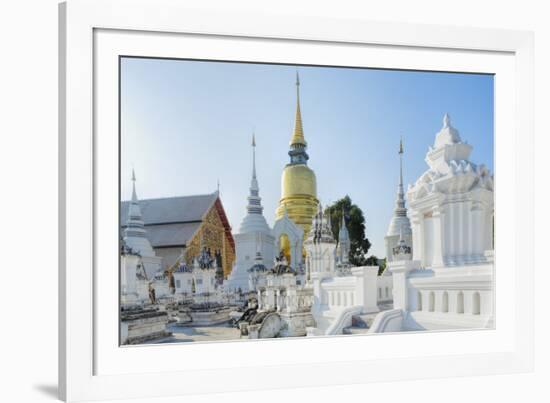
<point>199,280</point>
<point>337,296</point>
<point>451,205</point>
<point>448,280</point>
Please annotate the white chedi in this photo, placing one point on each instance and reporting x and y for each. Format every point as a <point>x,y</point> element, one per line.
<point>449,282</point>
<point>254,236</point>
<point>141,268</point>
<point>135,235</point>
<point>344,243</point>
<point>451,204</point>
<point>400,226</point>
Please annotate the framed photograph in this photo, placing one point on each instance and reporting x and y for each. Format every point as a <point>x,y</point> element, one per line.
<point>245,196</point>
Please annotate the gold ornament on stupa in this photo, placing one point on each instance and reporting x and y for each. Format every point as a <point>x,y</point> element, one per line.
<point>298,182</point>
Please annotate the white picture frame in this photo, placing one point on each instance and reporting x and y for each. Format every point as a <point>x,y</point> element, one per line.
<point>92,366</point>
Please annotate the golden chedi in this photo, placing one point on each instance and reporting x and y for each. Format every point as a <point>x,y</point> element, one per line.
<point>298,182</point>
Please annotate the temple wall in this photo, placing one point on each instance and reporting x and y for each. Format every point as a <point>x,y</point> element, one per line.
<point>212,234</point>
<point>169,256</point>
<point>384,285</point>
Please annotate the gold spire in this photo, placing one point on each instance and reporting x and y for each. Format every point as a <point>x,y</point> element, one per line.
<point>298,135</point>
<point>298,183</point>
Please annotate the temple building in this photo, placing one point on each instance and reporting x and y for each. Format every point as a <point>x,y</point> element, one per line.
<point>254,237</point>
<point>447,280</point>
<point>400,226</point>
<point>181,223</point>
<point>298,182</point>
<point>452,205</point>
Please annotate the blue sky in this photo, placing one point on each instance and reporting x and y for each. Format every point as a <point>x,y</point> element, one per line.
<point>188,124</point>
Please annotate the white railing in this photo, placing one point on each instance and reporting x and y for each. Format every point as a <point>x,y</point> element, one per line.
<point>343,320</point>
<point>387,321</point>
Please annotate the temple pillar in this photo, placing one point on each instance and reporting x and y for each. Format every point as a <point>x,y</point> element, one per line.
<point>418,234</point>
<point>438,234</point>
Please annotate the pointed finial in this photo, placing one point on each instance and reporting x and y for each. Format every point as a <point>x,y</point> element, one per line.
<point>254,160</point>
<point>134,194</point>
<point>218,185</point>
<point>446,120</point>
<point>401,145</point>
<point>298,134</point>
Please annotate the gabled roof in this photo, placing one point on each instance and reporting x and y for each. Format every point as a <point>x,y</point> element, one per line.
<point>171,235</point>
<point>172,221</point>
<point>171,210</point>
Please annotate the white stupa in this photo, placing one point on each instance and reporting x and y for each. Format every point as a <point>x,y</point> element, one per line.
<point>451,204</point>
<point>135,236</point>
<point>448,282</point>
<point>344,243</point>
<point>254,236</point>
<point>400,226</point>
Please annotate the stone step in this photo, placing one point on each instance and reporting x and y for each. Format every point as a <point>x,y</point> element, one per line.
<point>355,330</point>
<point>362,321</point>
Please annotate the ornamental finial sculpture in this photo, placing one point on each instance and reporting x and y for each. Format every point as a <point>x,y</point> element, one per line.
<point>446,120</point>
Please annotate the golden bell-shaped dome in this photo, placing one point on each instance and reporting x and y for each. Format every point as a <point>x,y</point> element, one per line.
<point>298,181</point>
<point>298,195</point>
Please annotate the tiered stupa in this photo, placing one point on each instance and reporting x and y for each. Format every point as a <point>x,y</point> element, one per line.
<point>135,235</point>
<point>254,236</point>
<point>298,182</point>
<point>344,243</point>
<point>452,205</point>
<point>400,225</point>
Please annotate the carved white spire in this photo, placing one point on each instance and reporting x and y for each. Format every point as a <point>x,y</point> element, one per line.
<point>344,243</point>
<point>400,221</point>
<point>448,135</point>
<point>343,232</point>
<point>254,221</point>
<point>400,192</point>
<point>135,234</point>
<point>254,157</point>
<point>134,221</point>
<point>134,196</point>
<point>254,199</point>
<point>446,120</point>
<point>321,231</point>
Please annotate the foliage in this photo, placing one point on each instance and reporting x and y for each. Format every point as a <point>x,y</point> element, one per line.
<point>355,221</point>
<point>374,261</point>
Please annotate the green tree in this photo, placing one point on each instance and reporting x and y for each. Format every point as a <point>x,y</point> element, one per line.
<point>374,261</point>
<point>355,221</point>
